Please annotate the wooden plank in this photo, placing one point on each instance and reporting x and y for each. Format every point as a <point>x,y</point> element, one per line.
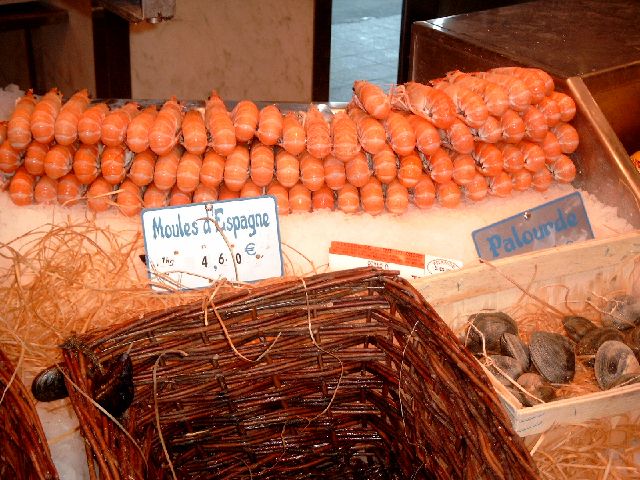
<point>534,420</point>
<point>523,269</point>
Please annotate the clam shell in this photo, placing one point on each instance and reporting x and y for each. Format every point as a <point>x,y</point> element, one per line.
<point>633,340</point>
<point>510,366</point>
<point>621,312</point>
<point>627,379</point>
<point>577,327</point>
<point>512,346</point>
<point>519,394</point>
<point>552,355</point>
<point>538,387</point>
<point>613,360</point>
<point>49,385</point>
<point>589,344</point>
<point>491,325</point>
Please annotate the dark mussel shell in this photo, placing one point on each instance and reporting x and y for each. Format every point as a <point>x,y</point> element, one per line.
<point>49,385</point>
<point>114,389</point>
<point>577,327</point>
<point>589,344</point>
<point>613,360</point>
<point>621,312</point>
<point>552,355</point>
<point>509,368</point>
<point>538,387</point>
<point>491,325</point>
<point>512,346</point>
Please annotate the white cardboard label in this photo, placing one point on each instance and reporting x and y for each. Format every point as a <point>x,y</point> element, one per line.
<point>343,255</point>
<point>192,246</point>
<point>343,262</point>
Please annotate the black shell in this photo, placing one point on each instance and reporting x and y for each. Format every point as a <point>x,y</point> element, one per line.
<point>538,387</point>
<point>49,385</point>
<point>491,325</point>
<point>622,312</point>
<point>588,345</point>
<point>577,327</point>
<point>552,355</point>
<point>114,389</point>
<point>512,346</point>
<point>614,360</point>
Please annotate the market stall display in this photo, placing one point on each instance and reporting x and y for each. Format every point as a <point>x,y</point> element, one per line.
<point>469,140</point>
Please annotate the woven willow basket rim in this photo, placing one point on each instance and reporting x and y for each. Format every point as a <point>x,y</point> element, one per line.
<point>349,374</point>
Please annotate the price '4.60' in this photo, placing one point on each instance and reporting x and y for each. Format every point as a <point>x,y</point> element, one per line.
<point>221,260</point>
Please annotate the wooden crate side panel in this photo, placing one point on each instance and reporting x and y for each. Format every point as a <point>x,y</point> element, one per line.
<point>549,264</point>
<point>566,293</point>
<point>532,420</point>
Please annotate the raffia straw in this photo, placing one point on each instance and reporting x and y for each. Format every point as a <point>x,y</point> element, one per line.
<point>155,405</point>
<point>521,288</point>
<point>331,354</point>
<point>402,416</point>
<point>283,438</point>
<point>490,362</point>
<point>227,242</point>
<point>105,412</point>
<point>230,341</point>
<point>57,279</point>
<point>539,315</point>
<point>313,270</point>
<point>586,451</point>
<point>287,262</point>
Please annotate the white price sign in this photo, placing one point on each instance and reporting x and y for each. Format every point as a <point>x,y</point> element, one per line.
<point>192,246</point>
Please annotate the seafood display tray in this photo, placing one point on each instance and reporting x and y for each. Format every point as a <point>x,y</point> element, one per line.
<point>565,275</point>
<point>603,77</point>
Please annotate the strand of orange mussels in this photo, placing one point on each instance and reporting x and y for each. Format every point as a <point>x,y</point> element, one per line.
<point>464,136</point>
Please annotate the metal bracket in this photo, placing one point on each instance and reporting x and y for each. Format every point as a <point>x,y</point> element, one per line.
<point>152,11</point>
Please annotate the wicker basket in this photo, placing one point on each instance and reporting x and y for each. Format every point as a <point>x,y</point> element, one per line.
<point>343,375</point>
<point>24,452</point>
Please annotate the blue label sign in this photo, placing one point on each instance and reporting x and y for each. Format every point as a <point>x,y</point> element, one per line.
<point>558,222</point>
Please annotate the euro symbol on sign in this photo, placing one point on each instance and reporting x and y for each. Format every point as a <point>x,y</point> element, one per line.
<point>250,249</point>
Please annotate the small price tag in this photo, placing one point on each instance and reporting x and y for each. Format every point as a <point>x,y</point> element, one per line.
<point>554,223</point>
<point>435,265</point>
<point>192,246</point>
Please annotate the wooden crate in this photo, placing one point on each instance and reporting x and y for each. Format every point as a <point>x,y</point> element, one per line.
<point>589,269</point>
